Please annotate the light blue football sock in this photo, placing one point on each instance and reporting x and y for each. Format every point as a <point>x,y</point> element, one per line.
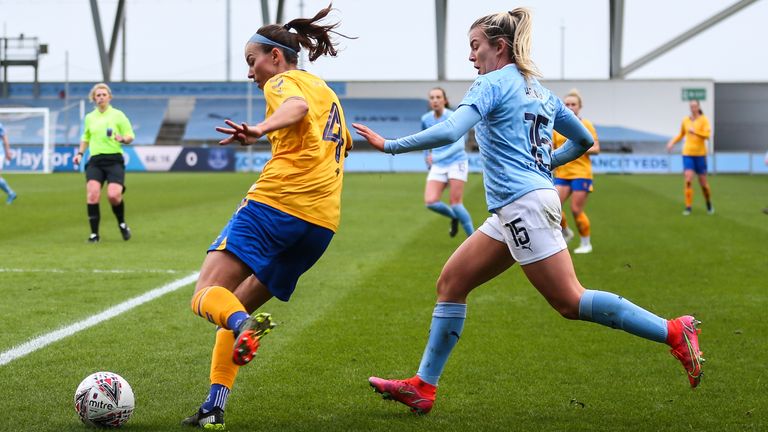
<point>234,321</point>
<point>617,312</point>
<point>447,324</point>
<point>4,186</point>
<point>463,215</point>
<point>217,398</point>
<point>442,208</point>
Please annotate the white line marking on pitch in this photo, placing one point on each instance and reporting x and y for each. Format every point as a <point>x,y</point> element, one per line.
<point>20,270</point>
<point>57,335</point>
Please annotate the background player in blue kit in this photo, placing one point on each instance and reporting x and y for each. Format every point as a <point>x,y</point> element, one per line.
<point>448,166</point>
<point>5,155</point>
<point>514,116</point>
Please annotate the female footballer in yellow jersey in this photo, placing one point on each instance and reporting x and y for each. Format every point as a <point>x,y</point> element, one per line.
<point>288,217</point>
<point>696,130</point>
<point>574,179</point>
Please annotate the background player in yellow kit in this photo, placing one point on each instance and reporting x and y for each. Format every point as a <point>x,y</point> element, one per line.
<point>574,179</point>
<point>696,130</point>
<point>290,214</point>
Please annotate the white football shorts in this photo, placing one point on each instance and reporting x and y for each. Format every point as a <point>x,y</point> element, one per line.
<point>530,226</point>
<point>457,171</point>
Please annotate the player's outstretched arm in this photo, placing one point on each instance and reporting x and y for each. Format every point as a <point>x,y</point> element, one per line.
<point>446,132</point>
<point>374,139</point>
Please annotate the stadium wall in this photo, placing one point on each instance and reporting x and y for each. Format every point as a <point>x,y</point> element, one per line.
<point>651,106</point>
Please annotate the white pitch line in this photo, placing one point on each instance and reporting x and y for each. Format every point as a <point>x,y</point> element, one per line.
<point>57,335</point>
<point>53,270</point>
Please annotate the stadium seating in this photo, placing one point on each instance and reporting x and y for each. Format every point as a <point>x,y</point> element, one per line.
<point>390,117</point>
<point>146,115</point>
<point>146,105</point>
<point>209,113</point>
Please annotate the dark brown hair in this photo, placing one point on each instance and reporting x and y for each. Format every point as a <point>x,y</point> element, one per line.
<point>445,96</point>
<point>308,34</point>
<point>699,104</point>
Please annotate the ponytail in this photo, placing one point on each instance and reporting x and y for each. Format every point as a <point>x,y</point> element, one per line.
<point>307,33</point>
<point>515,28</point>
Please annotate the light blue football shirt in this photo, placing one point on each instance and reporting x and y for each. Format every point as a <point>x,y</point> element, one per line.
<point>447,154</point>
<point>2,146</point>
<point>515,133</point>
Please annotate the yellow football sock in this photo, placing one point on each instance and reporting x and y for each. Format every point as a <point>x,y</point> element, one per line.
<point>706,191</point>
<point>216,304</point>
<point>688,194</point>
<point>223,370</point>
<point>563,222</point>
<point>582,223</point>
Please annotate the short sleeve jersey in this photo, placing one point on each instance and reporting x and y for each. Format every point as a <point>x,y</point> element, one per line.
<point>515,133</point>
<point>450,153</point>
<point>100,129</point>
<point>580,167</point>
<point>304,176</point>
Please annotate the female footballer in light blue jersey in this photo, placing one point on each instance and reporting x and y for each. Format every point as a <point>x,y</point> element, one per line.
<point>5,154</point>
<point>448,166</point>
<point>514,117</point>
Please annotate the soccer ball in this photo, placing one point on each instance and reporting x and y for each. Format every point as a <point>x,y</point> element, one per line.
<point>104,399</point>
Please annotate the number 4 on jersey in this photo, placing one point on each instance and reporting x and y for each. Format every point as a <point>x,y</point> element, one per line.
<point>333,131</point>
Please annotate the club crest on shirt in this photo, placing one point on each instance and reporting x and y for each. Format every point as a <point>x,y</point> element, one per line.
<point>277,86</point>
<point>532,92</point>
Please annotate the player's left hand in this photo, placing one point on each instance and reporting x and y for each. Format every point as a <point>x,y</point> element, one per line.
<point>374,139</point>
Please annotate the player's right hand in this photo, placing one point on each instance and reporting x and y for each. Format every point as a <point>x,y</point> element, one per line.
<point>241,133</point>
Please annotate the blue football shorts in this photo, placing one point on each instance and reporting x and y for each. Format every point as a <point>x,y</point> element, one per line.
<point>577,184</point>
<point>278,247</point>
<point>697,164</point>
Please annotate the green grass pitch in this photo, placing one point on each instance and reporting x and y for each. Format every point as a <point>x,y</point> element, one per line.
<point>364,309</point>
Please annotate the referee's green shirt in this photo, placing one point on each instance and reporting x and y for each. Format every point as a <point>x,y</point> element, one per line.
<point>100,129</point>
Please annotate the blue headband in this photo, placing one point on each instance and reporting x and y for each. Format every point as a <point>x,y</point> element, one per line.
<point>259,39</point>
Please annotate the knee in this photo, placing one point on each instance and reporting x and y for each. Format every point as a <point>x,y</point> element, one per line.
<point>568,311</point>
<point>449,289</point>
<point>115,198</point>
<point>568,308</point>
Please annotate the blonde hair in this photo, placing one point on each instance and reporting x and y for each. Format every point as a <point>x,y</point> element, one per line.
<point>575,93</point>
<point>515,28</point>
<point>98,86</point>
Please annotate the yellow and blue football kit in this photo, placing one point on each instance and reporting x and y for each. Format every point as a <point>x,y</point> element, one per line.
<point>576,175</point>
<point>579,168</point>
<point>288,217</point>
<point>305,174</point>
<point>695,154</point>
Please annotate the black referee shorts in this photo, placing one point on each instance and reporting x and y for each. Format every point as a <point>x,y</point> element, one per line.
<point>109,167</point>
